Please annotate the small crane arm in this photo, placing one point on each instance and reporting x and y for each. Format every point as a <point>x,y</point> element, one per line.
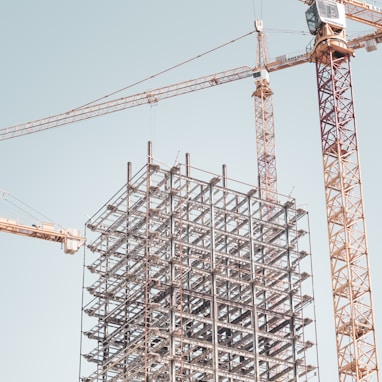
<point>123,103</point>
<point>69,237</point>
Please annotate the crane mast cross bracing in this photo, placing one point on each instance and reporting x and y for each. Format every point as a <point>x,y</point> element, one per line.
<point>264,121</point>
<point>351,287</point>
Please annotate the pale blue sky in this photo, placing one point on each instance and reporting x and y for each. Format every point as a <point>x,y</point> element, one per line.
<point>59,55</point>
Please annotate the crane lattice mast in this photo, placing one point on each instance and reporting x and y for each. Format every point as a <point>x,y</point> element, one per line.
<point>354,321</point>
<point>264,121</point>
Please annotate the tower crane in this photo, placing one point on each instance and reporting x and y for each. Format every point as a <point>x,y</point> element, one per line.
<point>354,321</point>
<point>353,310</point>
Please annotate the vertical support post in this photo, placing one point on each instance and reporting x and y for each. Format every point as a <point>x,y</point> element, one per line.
<point>172,274</point>
<point>128,202</point>
<point>224,173</point>
<point>254,319</point>
<point>147,265</point>
<point>187,165</point>
<point>149,153</point>
<point>289,305</point>
<point>214,304</point>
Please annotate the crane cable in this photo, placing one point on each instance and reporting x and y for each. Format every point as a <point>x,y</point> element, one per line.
<point>254,9</point>
<point>185,62</point>
<point>166,70</point>
<point>27,210</point>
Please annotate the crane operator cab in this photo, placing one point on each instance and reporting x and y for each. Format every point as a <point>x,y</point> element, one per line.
<point>326,20</point>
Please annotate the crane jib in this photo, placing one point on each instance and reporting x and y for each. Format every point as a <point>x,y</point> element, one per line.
<point>123,103</point>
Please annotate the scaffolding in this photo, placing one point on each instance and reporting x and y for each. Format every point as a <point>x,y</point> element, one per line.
<point>195,281</point>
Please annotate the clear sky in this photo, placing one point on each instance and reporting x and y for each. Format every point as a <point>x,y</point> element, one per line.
<point>59,55</point>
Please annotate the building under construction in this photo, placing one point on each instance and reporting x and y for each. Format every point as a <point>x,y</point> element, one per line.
<point>192,280</point>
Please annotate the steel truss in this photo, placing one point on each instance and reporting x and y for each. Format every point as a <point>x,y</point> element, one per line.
<point>264,121</point>
<point>354,321</point>
<point>193,283</point>
<point>265,139</point>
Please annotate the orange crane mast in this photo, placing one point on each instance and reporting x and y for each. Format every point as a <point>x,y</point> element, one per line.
<point>351,287</point>
<point>354,318</point>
